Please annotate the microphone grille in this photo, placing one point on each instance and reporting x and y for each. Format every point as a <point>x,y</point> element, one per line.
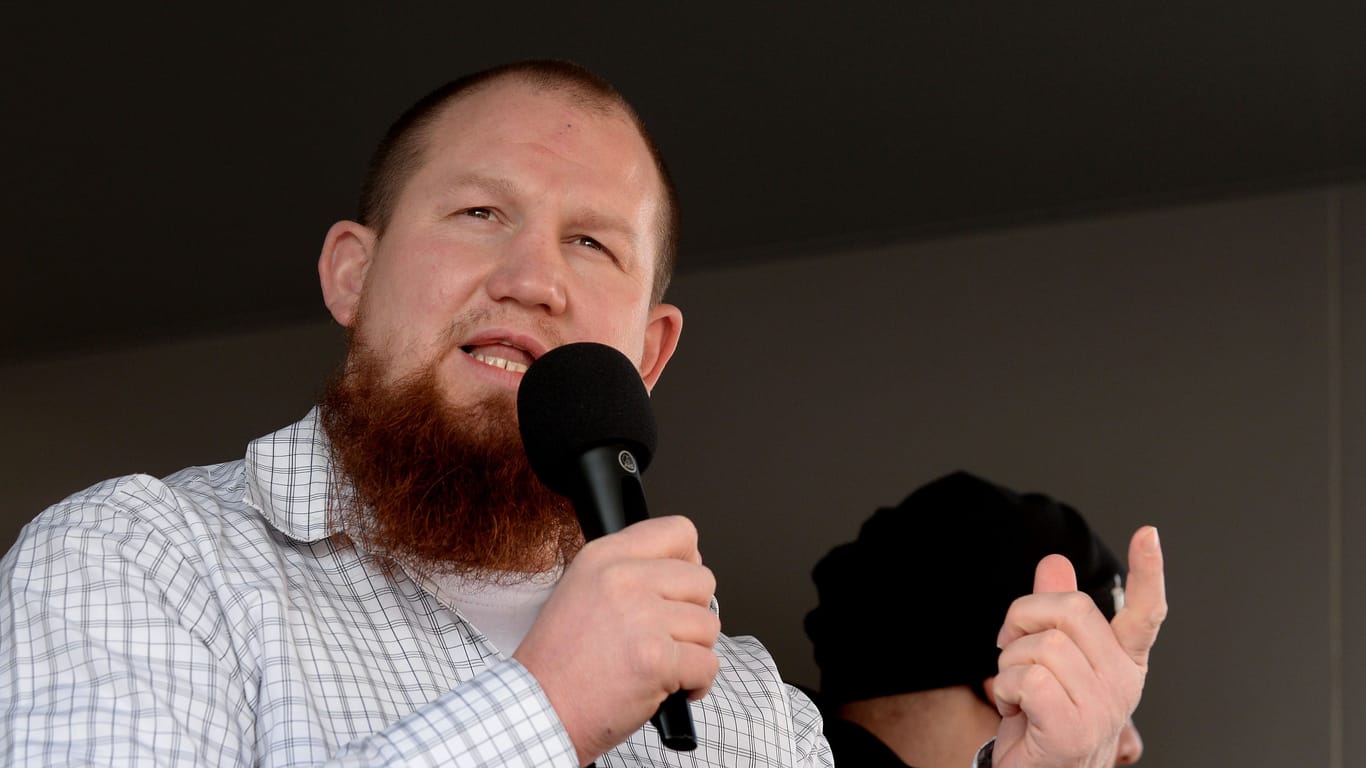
<point>577,397</point>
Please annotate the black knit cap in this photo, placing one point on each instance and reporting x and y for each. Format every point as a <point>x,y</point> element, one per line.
<point>916,601</point>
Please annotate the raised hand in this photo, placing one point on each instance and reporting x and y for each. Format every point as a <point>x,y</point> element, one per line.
<point>1069,680</point>
<point>628,624</point>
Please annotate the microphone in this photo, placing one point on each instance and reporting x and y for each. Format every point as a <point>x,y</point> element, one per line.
<point>589,432</point>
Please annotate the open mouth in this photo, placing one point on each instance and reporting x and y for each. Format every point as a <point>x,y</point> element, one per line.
<point>502,354</point>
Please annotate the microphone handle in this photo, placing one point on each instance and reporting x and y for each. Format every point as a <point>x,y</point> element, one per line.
<point>615,498</point>
<point>673,720</point>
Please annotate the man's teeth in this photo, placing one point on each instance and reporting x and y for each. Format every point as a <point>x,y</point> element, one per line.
<point>498,362</point>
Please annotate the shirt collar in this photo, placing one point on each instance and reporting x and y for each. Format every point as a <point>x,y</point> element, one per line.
<point>288,474</point>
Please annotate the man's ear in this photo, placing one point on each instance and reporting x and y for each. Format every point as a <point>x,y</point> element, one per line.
<point>661,339</point>
<point>989,688</point>
<point>347,251</point>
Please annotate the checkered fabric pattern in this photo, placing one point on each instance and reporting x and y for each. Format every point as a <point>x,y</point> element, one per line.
<point>211,618</point>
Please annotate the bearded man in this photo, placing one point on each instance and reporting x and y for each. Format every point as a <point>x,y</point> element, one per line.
<point>385,581</point>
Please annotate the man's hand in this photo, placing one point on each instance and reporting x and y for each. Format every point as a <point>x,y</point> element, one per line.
<point>629,623</point>
<point>1069,681</point>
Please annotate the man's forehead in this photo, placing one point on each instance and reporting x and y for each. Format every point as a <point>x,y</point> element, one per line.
<point>510,112</point>
<point>480,133</point>
<point>502,115</point>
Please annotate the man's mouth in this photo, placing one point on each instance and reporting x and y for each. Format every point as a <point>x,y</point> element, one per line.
<point>501,354</point>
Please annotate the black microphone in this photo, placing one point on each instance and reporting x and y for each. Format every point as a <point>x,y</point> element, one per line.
<point>589,432</point>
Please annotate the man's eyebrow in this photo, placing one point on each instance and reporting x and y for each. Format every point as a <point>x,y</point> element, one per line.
<point>492,185</point>
<point>594,220</point>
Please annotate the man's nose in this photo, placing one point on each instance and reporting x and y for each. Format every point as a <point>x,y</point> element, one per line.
<point>531,271</point>
<point>1130,745</point>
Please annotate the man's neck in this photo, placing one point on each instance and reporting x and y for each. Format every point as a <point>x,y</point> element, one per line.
<point>942,728</point>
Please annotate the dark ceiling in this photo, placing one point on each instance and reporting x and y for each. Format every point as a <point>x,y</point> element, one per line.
<point>173,170</point>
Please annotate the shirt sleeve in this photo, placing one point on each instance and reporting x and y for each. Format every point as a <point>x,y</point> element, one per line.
<point>116,651</point>
<point>112,654</point>
<point>502,717</point>
<point>808,731</point>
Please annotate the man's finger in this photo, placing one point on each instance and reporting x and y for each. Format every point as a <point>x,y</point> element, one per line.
<point>1055,574</point>
<point>1145,597</point>
<point>671,536</point>
<point>1055,587</point>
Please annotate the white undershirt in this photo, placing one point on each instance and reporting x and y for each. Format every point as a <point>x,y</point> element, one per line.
<point>503,612</point>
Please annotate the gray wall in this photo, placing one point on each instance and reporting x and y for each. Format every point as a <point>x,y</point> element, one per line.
<point>1200,368</point>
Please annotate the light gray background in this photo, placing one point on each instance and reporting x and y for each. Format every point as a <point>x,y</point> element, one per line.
<point>1197,367</point>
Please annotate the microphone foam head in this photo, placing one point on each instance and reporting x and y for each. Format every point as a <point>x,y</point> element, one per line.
<point>578,397</point>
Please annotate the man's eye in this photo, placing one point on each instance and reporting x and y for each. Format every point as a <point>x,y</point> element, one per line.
<point>589,242</point>
<point>480,213</point>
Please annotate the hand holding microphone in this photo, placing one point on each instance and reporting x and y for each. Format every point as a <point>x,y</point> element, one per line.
<point>637,597</point>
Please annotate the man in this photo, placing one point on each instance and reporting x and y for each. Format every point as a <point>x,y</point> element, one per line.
<point>961,550</point>
<point>385,581</point>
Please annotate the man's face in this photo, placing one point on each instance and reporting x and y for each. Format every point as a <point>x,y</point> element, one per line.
<point>530,223</point>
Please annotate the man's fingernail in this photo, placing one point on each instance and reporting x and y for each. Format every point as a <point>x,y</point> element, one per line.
<point>1152,545</point>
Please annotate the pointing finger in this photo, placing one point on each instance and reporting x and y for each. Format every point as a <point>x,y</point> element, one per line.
<point>1145,598</point>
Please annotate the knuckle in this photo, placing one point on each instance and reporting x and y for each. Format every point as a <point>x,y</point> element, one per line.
<point>1054,641</point>
<point>703,667</point>
<point>1158,614</point>
<point>713,628</point>
<point>1013,612</point>
<point>710,579</point>
<point>1035,676</point>
<point>1078,604</point>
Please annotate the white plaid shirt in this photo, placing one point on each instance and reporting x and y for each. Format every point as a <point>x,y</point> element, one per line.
<point>210,618</point>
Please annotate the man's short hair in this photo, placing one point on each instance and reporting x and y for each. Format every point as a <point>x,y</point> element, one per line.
<point>916,601</point>
<point>400,152</point>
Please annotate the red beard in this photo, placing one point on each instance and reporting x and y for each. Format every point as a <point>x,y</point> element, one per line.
<point>434,487</point>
